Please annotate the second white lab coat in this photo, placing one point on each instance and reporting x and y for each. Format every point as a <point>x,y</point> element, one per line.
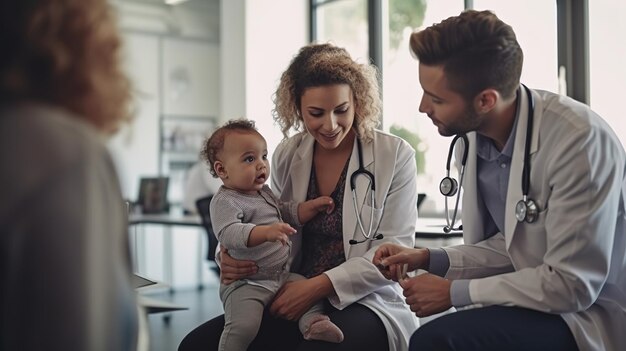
<point>392,161</point>
<point>572,260</point>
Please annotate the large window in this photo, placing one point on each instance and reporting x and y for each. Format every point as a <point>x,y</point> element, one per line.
<point>534,21</point>
<point>607,62</point>
<point>402,92</point>
<point>344,23</point>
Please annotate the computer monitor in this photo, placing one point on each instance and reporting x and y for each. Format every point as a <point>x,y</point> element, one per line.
<point>152,196</point>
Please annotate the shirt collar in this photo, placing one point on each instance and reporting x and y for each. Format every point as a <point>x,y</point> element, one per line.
<point>486,150</point>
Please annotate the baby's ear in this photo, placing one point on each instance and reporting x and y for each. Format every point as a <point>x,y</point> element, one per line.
<point>220,170</point>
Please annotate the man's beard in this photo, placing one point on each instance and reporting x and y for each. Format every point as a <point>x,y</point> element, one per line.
<point>471,122</point>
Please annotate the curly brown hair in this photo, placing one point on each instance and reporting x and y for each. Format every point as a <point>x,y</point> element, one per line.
<point>325,64</point>
<point>214,144</point>
<point>64,53</point>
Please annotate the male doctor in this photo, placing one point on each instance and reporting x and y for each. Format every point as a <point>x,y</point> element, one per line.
<point>544,258</point>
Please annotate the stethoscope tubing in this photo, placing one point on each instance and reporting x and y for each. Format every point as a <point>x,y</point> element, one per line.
<point>529,204</point>
<point>369,235</point>
<point>450,223</point>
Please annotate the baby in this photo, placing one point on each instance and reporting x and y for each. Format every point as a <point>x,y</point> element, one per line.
<point>252,224</point>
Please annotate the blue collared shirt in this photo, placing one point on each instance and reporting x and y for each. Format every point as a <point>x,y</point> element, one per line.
<point>493,170</point>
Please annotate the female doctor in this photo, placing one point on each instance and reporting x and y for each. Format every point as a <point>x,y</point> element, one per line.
<point>335,100</point>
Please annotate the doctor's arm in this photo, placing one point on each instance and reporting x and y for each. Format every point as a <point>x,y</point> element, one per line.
<point>431,293</point>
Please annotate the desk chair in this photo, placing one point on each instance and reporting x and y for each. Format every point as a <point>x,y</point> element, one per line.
<point>420,199</point>
<point>202,205</point>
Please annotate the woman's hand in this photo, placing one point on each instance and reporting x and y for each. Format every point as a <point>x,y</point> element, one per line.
<point>232,269</point>
<point>296,297</point>
<point>390,259</point>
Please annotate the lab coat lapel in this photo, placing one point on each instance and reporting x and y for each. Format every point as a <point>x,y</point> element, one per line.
<point>300,171</point>
<point>350,226</point>
<point>473,227</point>
<point>514,192</point>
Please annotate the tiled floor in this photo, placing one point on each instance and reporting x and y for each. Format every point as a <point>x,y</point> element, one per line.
<point>167,330</point>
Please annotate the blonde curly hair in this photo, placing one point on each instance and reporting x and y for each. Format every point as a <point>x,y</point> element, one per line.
<point>64,53</point>
<point>325,64</point>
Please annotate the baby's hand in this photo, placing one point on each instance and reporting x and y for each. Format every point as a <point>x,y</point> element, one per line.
<point>309,209</point>
<point>279,231</point>
<point>324,203</point>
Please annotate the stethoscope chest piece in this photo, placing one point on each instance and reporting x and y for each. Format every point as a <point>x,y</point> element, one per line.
<point>448,186</point>
<point>526,210</point>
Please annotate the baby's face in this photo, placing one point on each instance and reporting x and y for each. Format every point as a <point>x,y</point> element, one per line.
<point>244,160</point>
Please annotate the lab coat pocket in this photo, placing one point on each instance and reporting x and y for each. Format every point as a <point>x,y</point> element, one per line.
<point>370,214</point>
<point>532,240</point>
<point>538,227</point>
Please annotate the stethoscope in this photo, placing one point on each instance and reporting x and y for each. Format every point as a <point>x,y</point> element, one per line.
<point>369,235</point>
<point>449,186</point>
<point>526,209</point>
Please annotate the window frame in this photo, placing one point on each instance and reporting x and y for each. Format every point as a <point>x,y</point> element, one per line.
<point>572,38</point>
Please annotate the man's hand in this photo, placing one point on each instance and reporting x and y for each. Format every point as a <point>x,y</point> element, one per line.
<point>427,294</point>
<point>392,258</point>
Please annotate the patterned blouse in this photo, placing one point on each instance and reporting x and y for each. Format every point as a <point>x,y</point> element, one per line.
<point>322,239</point>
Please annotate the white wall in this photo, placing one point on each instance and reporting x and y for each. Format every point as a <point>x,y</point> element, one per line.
<point>135,147</point>
<point>162,44</point>
<point>194,18</point>
<point>259,39</point>
<point>233,57</point>
<point>158,40</point>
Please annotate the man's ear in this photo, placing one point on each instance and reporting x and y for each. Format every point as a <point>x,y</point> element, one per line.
<point>486,100</point>
<point>218,166</point>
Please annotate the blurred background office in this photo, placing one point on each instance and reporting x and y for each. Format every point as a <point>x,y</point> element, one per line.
<point>198,63</point>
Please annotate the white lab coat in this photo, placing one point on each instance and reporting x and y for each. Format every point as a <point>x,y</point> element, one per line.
<point>392,161</point>
<point>572,260</point>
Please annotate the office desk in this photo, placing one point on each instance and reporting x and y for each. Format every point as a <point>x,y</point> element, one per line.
<point>430,228</point>
<point>165,219</point>
<point>429,233</point>
<point>168,221</point>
